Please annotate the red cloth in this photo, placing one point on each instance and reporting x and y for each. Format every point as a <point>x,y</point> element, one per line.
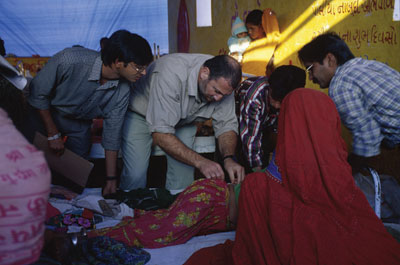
<point>317,215</point>
<point>51,211</point>
<point>216,255</point>
<point>201,208</point>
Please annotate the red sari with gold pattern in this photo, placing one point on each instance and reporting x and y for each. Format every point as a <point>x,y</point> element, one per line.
<point>200,209</point>
<point>315,214</point>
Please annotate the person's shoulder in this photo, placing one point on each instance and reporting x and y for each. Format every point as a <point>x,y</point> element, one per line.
<point>352,63</point>
<point>378,67</point>
<point>76,55</point>
<point>359,64</point>
<point>177,62</point>
<point>359,69</point>
<point>261,80</point>
<point>256,82</point>
<point>347,70</point>
<point>186,56</point>
<point>253,88</point>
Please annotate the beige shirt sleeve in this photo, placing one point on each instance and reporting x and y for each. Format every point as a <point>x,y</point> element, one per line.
<point>164,108</point>
<point>224,117</point>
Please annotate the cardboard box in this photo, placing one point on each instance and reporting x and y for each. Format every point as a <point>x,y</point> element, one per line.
<point>73,169</point>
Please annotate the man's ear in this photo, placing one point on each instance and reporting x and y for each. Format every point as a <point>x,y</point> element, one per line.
<point>119,64</point>
<point>204,73</point>
<point>332,62</point>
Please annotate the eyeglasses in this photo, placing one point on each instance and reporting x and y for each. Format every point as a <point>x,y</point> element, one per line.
<point>138,69</point>
<point>309,68</point>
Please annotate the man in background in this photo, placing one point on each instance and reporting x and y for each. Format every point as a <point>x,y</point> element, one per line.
<point>78,85</point>
<point>366,94</point>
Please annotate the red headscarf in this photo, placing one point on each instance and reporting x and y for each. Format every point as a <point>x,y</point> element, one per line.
<point>316,215</point>
<point>311,153</point>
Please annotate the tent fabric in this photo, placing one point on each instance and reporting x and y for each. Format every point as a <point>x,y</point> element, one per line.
<point>44,27</point>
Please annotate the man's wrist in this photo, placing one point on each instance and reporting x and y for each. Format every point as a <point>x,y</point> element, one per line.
<point>54,137</point>
<point>229,156</point>
<point>108,178</point>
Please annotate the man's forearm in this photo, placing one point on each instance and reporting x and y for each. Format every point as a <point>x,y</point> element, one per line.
<point>111,163</point>
<point>48,122</point>
<point>227,146</point>
<point>227,143</point>
<point>175,148</point>
<point>110,186</point>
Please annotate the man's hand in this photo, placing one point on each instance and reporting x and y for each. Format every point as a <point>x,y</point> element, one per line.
<point>57,146</point>
<point>178,150</point>
<point>236,172</point>
<point>110,187</point>
<point>211,169</point>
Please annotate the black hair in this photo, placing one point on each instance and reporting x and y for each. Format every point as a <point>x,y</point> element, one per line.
<point>285,79</point>
<point>12,101</point>
<point>126,47</point>
<point>254,17</point>
<point>224,66</point>
<point>103,42</point>
<point>318,48</point>
<point>2,48</point>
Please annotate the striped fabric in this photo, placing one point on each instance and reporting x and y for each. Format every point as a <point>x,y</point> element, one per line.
<point>255,115</point>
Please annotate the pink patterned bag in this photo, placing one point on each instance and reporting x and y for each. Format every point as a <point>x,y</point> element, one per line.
<point>24,189</point>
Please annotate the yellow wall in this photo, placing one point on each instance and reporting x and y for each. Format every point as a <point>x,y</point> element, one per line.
<point>366,26</point>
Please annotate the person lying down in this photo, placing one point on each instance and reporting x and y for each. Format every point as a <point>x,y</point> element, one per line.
<point>206,206</point>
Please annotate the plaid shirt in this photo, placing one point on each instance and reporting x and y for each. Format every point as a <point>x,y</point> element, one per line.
<point>367,96</point>
<point>255,115</point>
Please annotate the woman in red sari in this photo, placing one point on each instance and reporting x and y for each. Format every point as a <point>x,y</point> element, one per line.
<point>309,211</point>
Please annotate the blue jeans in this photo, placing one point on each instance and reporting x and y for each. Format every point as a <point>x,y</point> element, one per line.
<point>136,150</point>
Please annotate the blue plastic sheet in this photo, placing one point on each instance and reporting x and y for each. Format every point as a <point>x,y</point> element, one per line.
<point>44,27</point>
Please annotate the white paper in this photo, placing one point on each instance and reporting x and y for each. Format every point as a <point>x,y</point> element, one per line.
<point>203,13</point>
<point>396,11</point>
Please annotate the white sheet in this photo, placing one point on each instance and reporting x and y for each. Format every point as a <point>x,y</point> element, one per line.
<point>173,255</point>
<point>89,198</point>
<point>176,255</point>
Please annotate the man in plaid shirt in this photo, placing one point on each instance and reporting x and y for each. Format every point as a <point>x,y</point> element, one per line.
<point>366,94</point>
